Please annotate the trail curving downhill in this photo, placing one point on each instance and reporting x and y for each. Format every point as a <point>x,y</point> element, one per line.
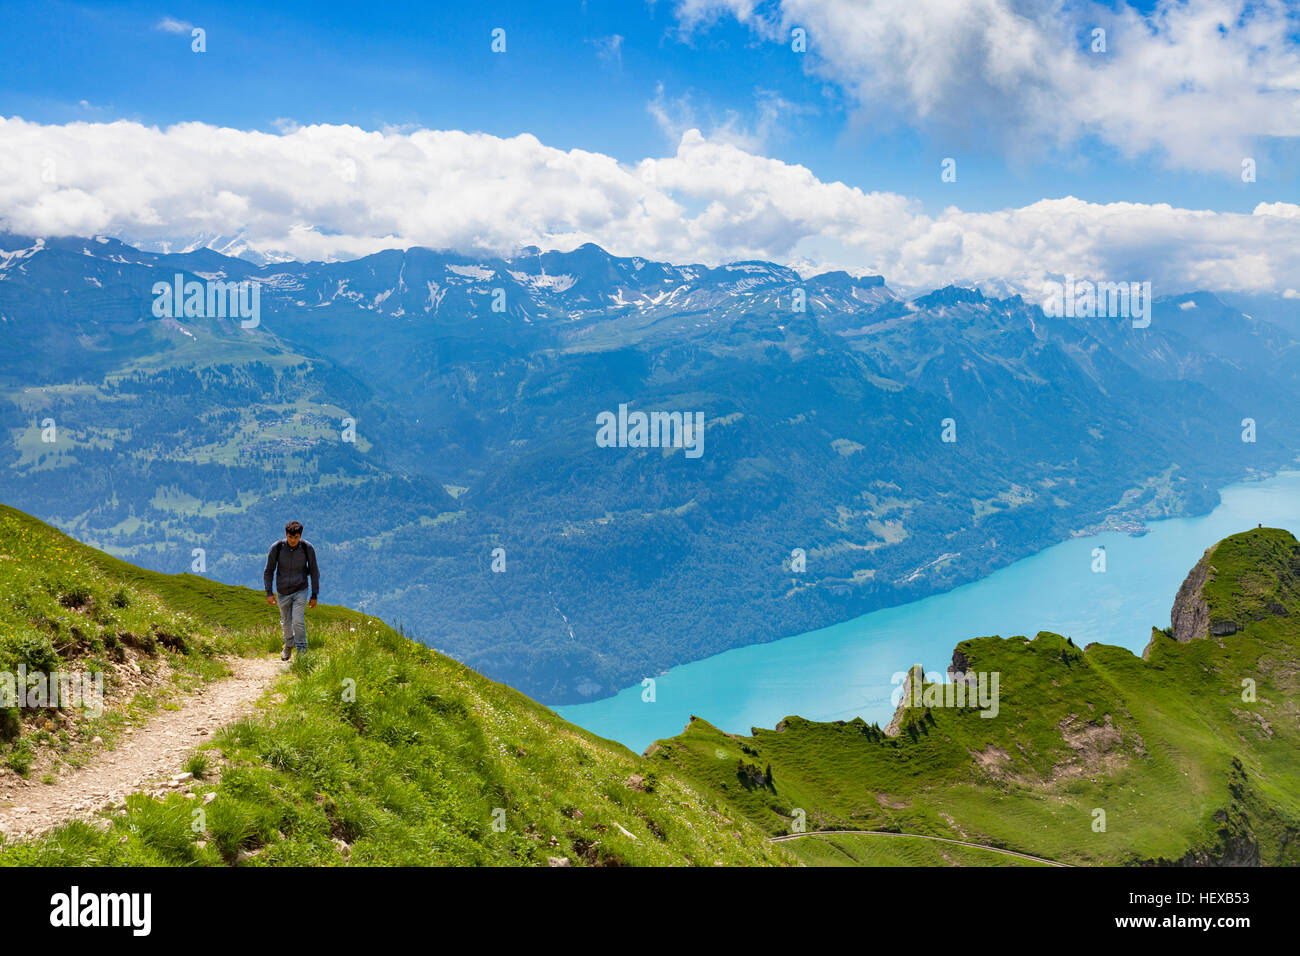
<point>917,836</point>
<point>148,756</point>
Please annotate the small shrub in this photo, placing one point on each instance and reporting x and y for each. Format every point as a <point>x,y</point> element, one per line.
<point>164,826</point>
<point>197,765</point>
<point>75,597</point>
<point>10,723</point>
<point>103,616</point>
<point>173,642</point>
<point>21,757</point>
<point>145,642</point>
<point>79,638</point>
<point>36,652</point>
<point>234,826</point>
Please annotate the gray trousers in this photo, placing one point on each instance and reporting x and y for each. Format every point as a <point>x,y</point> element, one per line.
<point>293,618</point>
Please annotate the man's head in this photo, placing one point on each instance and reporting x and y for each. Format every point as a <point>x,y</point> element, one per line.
<point>293,532</point>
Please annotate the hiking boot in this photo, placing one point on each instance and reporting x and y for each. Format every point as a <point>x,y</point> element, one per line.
<point>286,653</point>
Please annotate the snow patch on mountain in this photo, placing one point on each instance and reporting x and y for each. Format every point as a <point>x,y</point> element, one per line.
<point>283,282</point>
<point>472,272</point>
<point>436,293</point>
<point>9,258</point>
<point>554,283</point>
<point>743,285</point>
<point>560,283</point>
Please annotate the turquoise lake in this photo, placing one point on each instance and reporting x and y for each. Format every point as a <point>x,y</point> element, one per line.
<point>845,671</point>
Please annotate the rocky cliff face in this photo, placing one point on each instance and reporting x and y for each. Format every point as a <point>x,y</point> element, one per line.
<point>1190,617</point>
<point>912,687</point>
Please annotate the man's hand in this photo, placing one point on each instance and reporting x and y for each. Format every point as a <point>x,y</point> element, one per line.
<point>311,603</point>
<point>270,599</point>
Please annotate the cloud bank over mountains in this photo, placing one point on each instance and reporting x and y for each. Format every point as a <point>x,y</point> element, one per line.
<point>331,192</point>
<point>1199,83</point>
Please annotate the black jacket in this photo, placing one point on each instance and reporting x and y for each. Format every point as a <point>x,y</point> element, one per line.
<point>290,568</point>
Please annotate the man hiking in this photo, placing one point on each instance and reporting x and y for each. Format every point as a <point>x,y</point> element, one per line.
<point>290,564</point>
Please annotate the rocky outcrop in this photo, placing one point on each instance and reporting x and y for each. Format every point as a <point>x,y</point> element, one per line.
<point>1230,848</point>
<point>896,724</point>
<point>1190,617</point>
<point>1259,577</point>
<point>960,663</point>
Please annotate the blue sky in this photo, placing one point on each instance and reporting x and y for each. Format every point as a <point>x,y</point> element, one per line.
<point>561,79</point>
<point>681,129</point>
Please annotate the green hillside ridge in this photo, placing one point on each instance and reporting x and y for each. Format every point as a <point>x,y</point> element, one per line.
<point>413,771</point>
<point>1186,767</point>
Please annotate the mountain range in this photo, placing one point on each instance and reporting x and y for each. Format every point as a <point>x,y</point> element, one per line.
<point>431,417</point>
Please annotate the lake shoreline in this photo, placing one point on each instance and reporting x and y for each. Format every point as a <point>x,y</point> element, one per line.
<point>749,683</point>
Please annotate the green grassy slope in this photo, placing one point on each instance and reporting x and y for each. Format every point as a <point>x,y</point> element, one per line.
<point>374,749</point>
<point>1173,754</point>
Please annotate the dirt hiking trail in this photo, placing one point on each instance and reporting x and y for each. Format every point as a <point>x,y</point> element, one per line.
<point>916,836</point>
<point>148,757</point>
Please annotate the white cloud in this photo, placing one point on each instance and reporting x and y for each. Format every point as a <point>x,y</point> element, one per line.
<point>1202,83</point>
<point>772,113</point>
<point>1285,210</point>
<point>172,25</point>
<point>327,192</point>
<point>610,50</point>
